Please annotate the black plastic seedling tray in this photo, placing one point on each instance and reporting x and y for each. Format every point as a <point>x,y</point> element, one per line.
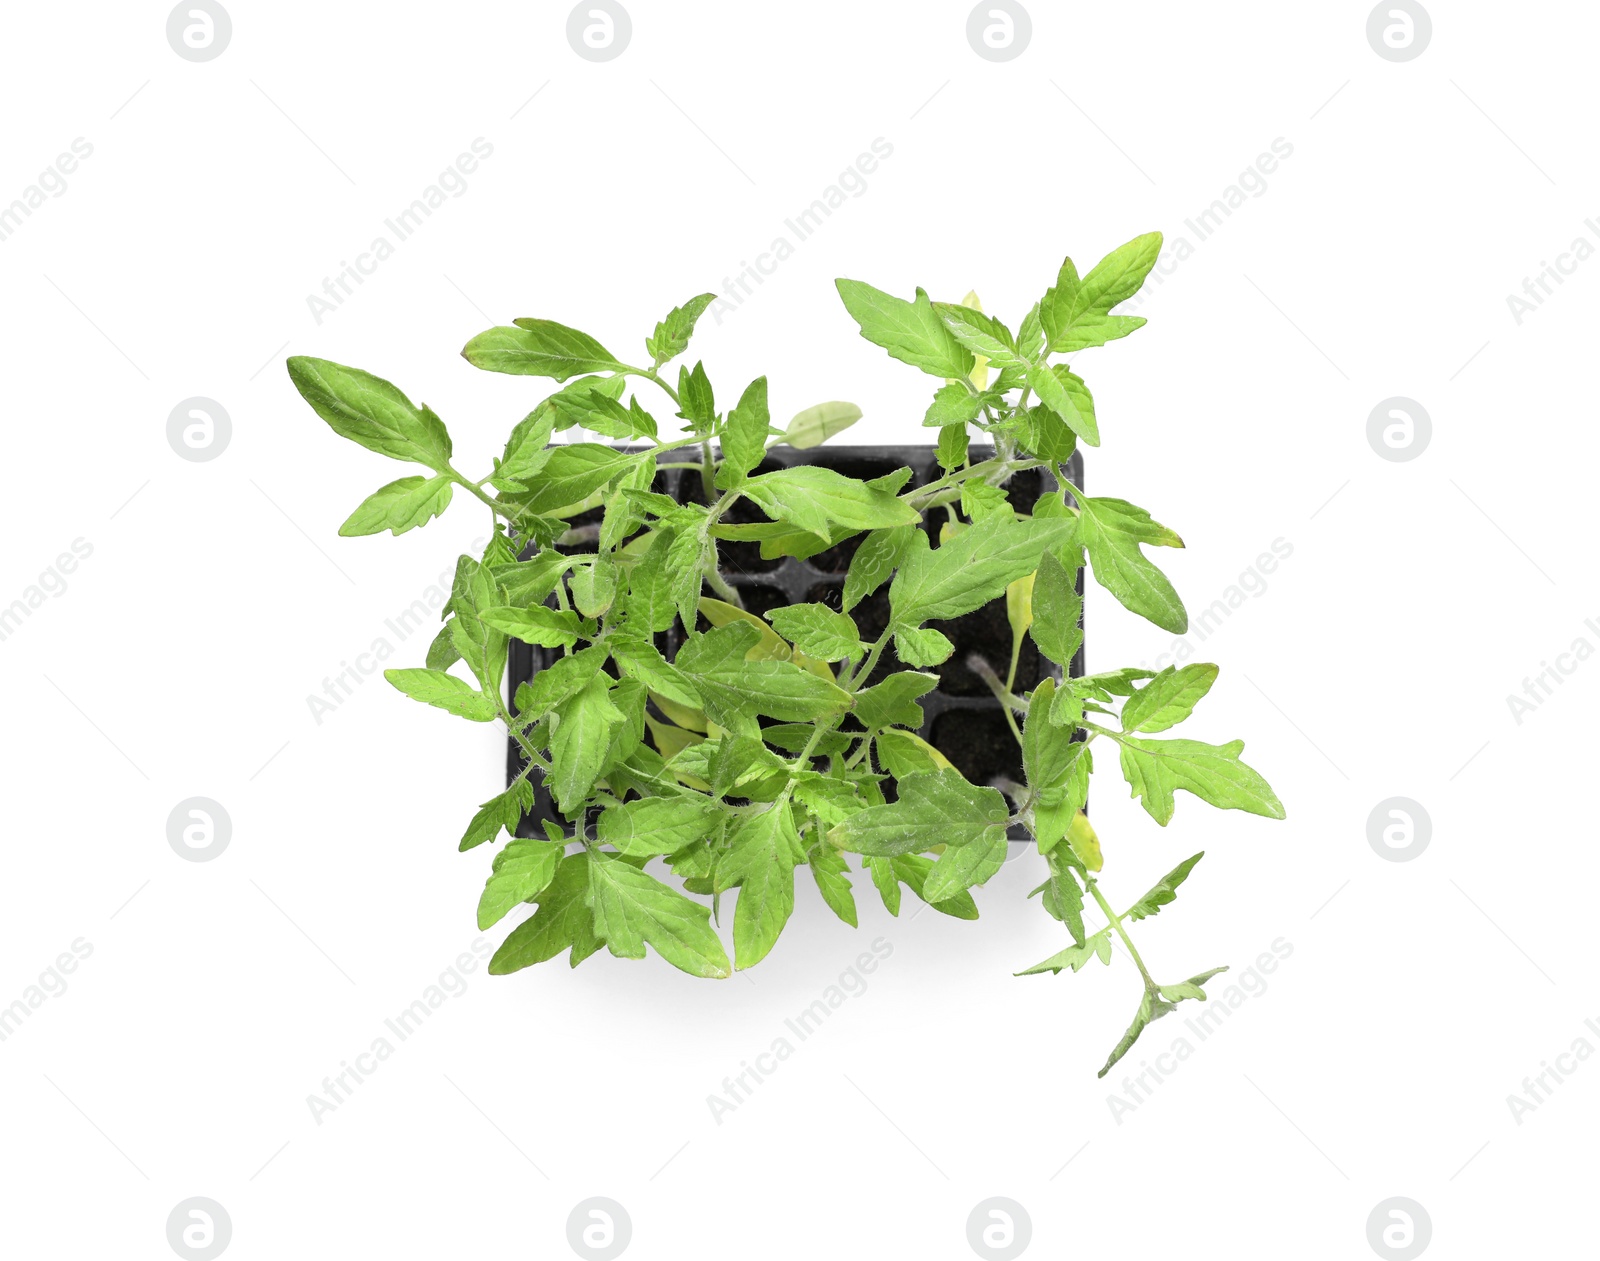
<point>963,719</point>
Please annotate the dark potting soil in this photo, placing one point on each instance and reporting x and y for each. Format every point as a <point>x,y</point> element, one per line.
<point>963,720</point>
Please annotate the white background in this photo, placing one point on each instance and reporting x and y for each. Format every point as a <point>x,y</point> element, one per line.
<point>1376,663</point>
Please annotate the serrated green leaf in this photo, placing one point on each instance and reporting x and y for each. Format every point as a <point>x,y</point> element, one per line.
<point>922,647</point>
<point>1155,769</point>
<point>400,506</point>
<point>744,435</point>
<point>444,691</point>
<point>658,825</point>
<point>817,499</point>
<point>1164,891</point>
<point>894,701</point>
<point>549,628</point>
<point>370,411</point>
<point>878,556</point>
<point>952,405</point>
<point>734,690</point>
<point>963,866</point>
<point>1112,531</point>
<point>763,850</point>
<point>573,472</point>
<point>633,909</point>
<point>818,631</point>
<point>521,870</point>
<point>538,348</point>
<point>672,334</point>
<point>954,442</point>
<point>1057,611</point>
<point>1065,394</point>
<point>831,873</point>
<point>1096,946</point>
<point>933,809</point>
<point>585,724</point>
<point>1168,698</point>
<point>911,332</point>
<point>563,678</point>
<point>562,920</point>
<point>980,333</point>
<point>501,813</point>
<point>972,568</point>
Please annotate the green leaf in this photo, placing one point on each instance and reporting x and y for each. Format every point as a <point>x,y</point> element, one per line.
<point>1165,890</point>
<point>399,506</point>
<point>893,703</point>
<point>1057,611</point>
<point>905,753</point>
<point>446,692</point>
<point>972,568</point>
<point>528,447</point>
<point>558,681</point>
<point>562,920</point>
<point>816,499</point>
<point>1057,768</point>
<point>651,603</point>
<point>831,872</point>
<point>936,808</point>
<point>549,628</point>
<point>501,813</point>
<point>744,435</point>
<point>697,397</point>
<point>1112,531</point>
<point>580,742</point>
<point>876,558</point>
<point>632,909</point>
<point>763,850</point>
<point>911,332</point>
<point>816,424</point>
<point>659,825</point>
<point>639,659</point>
<point>1064,393</point>
<point>961,867</point>
<point>1096,946</point>
<point>952,405</point>
<point>922,646</point>
<point>1042,433</point>
<point>735,690</point>
<point>574,472</point>
<point>539,348</point>
<point>594,586</point>
<point>672,334</point>
<point>980,333</point>
<point>818,631</point>
<point>370,411</point>
<point>1154,769</point>
<point>1151,1007</point>
<point>1168,698</point>
<point>521,870</point>
<point>1075,314</point>
<point>953,445</point>
<point>1063,898</point>
<point>912,870</point>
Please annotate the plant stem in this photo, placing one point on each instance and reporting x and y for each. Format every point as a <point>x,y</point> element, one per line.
<point>1116,923</point>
